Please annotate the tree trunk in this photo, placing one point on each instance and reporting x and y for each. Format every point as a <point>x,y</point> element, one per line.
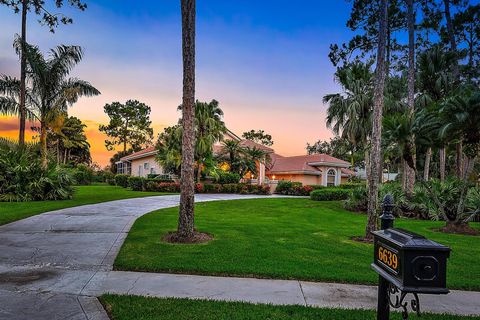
<point>186,222</point>
<point>404,175</point>
<point>199,171</point>
<point>58,151</point>
<point>367,164</point>
<point>459,160</point>
<point>426,168</point>
<point>451,39</point>
<point>23,67</point>
<point>442,156</point>
<point>43,143</point>
<point>410,172</point>
<point>377,123</point>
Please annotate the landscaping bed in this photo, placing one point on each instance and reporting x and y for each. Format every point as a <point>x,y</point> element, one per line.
<point>142,308</point>
<point>284,239</point>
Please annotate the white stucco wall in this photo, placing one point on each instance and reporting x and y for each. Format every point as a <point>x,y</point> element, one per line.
<point>146,164</point>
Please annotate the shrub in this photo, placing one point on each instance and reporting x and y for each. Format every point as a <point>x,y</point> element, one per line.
<point>109,177</point>
<point>316,186</point>
<point>83,174</point>
<point>255,189</point>
<point>329,194</point>
<point>225,177</point>
<point>352,185</point>
<point>121,180</point>
<point>23,178</point>
<point>136,183</point>
<point>293,188</point>
<point>358,199</point>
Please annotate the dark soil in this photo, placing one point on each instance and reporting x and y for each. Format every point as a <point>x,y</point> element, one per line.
<point>198,237</point>
<point>464,229</point>
<point>361,239</point>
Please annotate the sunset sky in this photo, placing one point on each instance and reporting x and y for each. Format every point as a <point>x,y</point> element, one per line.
<point>264,61</point>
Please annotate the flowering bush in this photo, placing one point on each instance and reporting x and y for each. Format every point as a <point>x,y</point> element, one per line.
<point>293,188</point>
<point>139,184</point>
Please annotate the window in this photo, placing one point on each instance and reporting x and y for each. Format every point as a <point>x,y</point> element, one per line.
<point>331,178</point>
<point>145,166</point>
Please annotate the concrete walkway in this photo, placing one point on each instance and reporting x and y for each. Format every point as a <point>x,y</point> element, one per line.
<point>52,266</point>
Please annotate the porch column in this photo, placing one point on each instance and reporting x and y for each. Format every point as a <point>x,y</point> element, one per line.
<point>261,173</point>
<point>338,178</point>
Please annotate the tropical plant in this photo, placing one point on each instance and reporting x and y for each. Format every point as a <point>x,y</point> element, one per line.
<point>50,92</point>
<point>68,140</point>
<point>169,144</point>
<point>209,128</point>
<point>52,21</point>
<point>24,178</point>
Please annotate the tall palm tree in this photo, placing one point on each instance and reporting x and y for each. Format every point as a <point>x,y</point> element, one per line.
<point>378,104</point>
<point>186,219</point>
<point>349,112</point>
<point>68,135</point>
<point>50,92</point>
<point>209,128</point>
<point>435,85</point>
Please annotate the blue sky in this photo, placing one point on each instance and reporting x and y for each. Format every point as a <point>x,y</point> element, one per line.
<point>265,61</point>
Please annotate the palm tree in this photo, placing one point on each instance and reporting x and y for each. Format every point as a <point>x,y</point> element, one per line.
<point>231,152</point>
<point>209,128</point>
<point>251,157</point>
<point>435,85</point>
<point>169,144</point>
<point>186,220</point>
<point>378,104</point>
<point>50,92</point>
<point>67,134</point>
<point>349,113</point>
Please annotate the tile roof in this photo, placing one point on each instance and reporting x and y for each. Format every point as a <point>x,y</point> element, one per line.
<point>306,163</point>
<point>138,154</point>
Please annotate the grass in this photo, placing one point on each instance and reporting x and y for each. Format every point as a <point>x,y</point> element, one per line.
<point>281,238</point>
<point>141,308</point>
<point>13,211</point>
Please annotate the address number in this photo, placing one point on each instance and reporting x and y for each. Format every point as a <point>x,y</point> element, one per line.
<point>388,257</point>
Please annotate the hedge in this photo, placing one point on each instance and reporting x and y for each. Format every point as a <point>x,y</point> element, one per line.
<point>329,194</point>
<point>142,184</point>
<point>121,180</point>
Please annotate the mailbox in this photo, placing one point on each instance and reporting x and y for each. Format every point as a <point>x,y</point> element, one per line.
<point>410,261</point>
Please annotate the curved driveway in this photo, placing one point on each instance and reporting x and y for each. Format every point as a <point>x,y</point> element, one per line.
<point>47,260</point>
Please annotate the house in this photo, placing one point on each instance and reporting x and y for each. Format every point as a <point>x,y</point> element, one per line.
<point>317,169</point>
<point>140,164</point>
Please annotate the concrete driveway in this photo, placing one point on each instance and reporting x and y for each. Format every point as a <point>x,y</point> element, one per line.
<point>47,260</point>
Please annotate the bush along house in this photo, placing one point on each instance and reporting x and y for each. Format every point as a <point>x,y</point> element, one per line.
<point>317,169</point>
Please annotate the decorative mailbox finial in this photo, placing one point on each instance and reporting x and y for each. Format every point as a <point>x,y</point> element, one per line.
<point>387,217</point>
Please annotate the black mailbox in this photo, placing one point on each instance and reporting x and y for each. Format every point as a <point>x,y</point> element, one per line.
<point>410,261</point>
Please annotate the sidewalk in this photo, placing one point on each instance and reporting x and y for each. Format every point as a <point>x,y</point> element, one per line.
<point>276,292</point>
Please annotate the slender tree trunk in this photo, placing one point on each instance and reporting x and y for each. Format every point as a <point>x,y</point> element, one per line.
<point>58,151</point>
<point>199,171</point>
<point>377,123</point>
<point>442,161</point>
<point>426,169</point>
<point>451,38</point>
<point>23,67</point>
<point>186,222</point>
<point>367,164</point>
<point>459,160</point>
<point>410,172</point>
<point>404,175</point>
<point>43,143</point>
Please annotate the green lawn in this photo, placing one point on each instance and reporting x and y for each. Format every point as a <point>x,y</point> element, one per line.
<point>281,238</point>
<point>12,211</point>
<point>141,308</point>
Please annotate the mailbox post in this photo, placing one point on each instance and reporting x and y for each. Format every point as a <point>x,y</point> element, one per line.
<point>387,218</point>
<point>407,263</point>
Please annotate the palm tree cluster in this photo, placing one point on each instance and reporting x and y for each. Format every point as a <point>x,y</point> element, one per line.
<point>49,91</point>
<point>231,155</point>
<point>428,123</point>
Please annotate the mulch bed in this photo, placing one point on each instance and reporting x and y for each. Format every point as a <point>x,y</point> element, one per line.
<point>198,237</point>
<point>464,229</point>
<point>361,239</point>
